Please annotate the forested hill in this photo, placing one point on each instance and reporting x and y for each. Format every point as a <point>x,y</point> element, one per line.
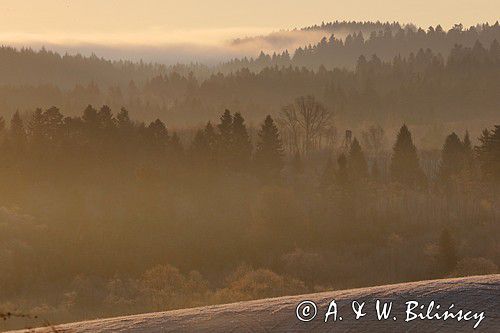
<point>421,88</point>
<point>346,42</point>
<point>385,40</point>
<point>29,67</point>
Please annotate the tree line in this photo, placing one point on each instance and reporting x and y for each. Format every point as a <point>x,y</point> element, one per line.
<point>422,88</point>
<point>103,215</point>
<point>386,40</point>
<point>99,137</point>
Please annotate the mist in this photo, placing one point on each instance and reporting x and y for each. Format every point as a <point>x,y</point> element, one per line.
<point>210,48</point>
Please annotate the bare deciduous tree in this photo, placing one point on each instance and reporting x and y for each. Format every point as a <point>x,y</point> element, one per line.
<point>305,121</point>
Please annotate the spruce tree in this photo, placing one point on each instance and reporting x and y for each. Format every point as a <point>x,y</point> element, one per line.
<point>157,137</point>
<point>269,152</point>
<point>452,158</point>
<point>123,119</point>
<point>241,145</point>
<point>405,167</point>
<point>17,137</point>
<point>489,154</point>
<point>225,140</point>
<point>357,161</point>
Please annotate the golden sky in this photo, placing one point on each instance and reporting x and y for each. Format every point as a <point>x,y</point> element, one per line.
<point>167,21</point>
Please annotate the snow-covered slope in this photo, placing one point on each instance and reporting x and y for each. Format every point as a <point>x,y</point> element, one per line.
<point>477,294</point>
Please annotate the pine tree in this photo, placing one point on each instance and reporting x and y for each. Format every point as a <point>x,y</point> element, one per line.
<point>242,147</point>
<point>489,154</point>
<point>157,137</point>
<point>452,158</point>
<point>35,129</point>
<point>90,117</point>
<point>17,137</point>
<point>123,119</point>
<point>405,167</point>
<point>204,147</point>
<point>225,140</point>
<point>357,161</point>
<point>269,152</point>
<point>105,118</point>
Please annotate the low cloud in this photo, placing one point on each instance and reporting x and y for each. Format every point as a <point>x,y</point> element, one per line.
<point>204,46</point>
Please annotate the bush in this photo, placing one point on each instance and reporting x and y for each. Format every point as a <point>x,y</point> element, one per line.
<point>248,284</point>
<point>475,266</point>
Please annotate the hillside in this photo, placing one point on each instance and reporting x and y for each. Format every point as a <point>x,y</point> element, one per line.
<point>480,293</point>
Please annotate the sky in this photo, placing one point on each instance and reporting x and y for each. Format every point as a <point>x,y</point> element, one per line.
<point>202,26</point>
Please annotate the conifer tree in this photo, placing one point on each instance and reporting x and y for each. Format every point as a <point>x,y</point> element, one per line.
<point>405,167</point>
<point>489,154</point>
<point>242,147</point>
<point>225,140</point>
<point>90,117</point>
<point>452,158</point>
<point>157,137</point>
<point>225,128</point>
<point>17,132</point>
<point>269,152</point>
<point>211,141</point>
<point>123,119</point>
<point>357,161</point>
<point>204,146</point>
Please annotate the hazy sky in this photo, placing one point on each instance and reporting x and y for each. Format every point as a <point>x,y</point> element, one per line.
<point>121,19</point>
<point>204,22</point>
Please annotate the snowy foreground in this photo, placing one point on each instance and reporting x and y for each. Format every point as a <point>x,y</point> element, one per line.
<point>476,301</point>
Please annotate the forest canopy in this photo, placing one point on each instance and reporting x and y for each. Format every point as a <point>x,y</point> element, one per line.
<point>136,187</point>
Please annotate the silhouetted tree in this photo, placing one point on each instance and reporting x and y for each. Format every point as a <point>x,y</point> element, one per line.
<point>405,167</point>
<point>242,147</point>
<point>306,119</point>
<point>452,158</point>
<point>157,137</point>
<point>357,162</point>
<point>225,139</point>
<point>269,152</point>
<point>489,153</point>
<point>204,147</point>
<point>17,133</point>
